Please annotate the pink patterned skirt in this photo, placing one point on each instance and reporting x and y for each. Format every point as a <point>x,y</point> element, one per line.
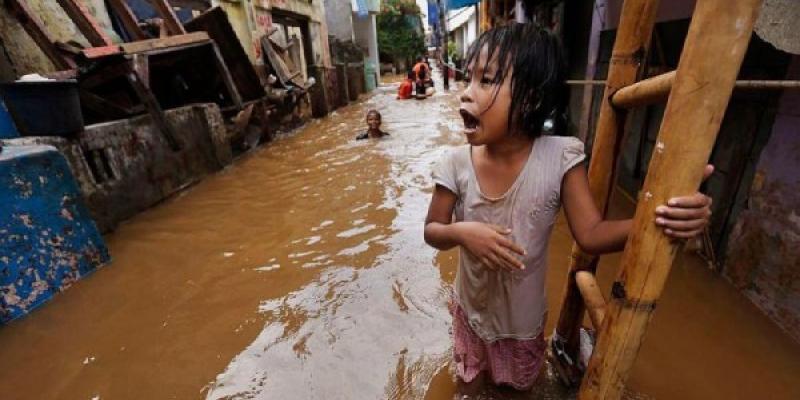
<point>511,362</point>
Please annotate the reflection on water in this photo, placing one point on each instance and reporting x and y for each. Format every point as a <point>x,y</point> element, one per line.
<point>301,273</point>
<point>374,323</point>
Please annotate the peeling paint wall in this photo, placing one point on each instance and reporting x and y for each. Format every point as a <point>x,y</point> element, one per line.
<point>23,52</point>
<point>317,26</point>
<point>778,22</point>
<point>47,239</point>
<point>339,15</point>
<point>124,167</point>
<point>764,247</point>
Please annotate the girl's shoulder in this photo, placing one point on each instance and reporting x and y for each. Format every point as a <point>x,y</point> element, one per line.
<point>562,151</point>
<point>555,144</point>
<point>459,156</point>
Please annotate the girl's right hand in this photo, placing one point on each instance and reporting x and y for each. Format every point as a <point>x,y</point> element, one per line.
<point>490,245</point>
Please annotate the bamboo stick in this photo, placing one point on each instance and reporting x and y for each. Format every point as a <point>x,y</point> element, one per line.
<point>648,91</point>
<point>592,297</point>
<point>657,89</point>
<point>627,60</point>
<point>697,104</point>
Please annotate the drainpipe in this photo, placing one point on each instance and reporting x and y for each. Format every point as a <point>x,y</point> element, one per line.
<point>443,51</point>
<point>598,17</point>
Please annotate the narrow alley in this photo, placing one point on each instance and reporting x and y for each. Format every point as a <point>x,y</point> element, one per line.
<point>300,272</point>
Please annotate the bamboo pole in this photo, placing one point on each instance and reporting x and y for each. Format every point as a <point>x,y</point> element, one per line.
<point>657,88</point>
<point>592,297</point>
<point>627,61</point>
<point>648,91</point>
<point>694,112</point>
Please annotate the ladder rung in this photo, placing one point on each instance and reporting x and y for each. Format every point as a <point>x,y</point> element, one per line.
<point>592,297</point>
<point>655,89</point>
<point>642,93</point>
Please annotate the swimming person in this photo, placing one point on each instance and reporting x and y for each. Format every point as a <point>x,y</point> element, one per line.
<point>373,126</point>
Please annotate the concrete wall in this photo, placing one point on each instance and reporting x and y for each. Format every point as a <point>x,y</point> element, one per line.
<point>317,26</point>
<point>339,15</point>
<point>764,247</point>
<point>124,167</point>
<point>366,35</point>
<point>47,238</point>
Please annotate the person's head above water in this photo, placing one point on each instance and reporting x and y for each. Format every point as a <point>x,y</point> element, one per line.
<point>374,120</point>
<point>410,74</point>
<point>420,59</point>
<point>515,79</point>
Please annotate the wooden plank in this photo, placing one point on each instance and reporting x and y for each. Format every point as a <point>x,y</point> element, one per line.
<point>98,77</point>
<point>172,41</point>
<point>697,103</point>
<point>153,108</point>
<point>100,52</point>
<point>36,30</point>
<point>85,22</point>
<point>627,59</point>
<point>226,77</point>
<point>215,22</point>
<point>106,108</point>
<point>141,64</point>
<point>129,21</point>
<point>171,21</point>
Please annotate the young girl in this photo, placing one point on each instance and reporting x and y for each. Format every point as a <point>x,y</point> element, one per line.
<point>373,126</point>
<point>498,197</point>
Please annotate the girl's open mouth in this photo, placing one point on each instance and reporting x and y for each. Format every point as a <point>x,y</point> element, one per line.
<point>471,122</point>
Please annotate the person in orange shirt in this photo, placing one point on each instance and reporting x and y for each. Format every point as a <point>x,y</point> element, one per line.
<point>407,87</point>
<point>421,66</point>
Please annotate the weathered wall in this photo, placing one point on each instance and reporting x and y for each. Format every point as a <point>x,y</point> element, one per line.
<point>764,248</point>
<point>25,55</point>
<point>47,238</point>
<point>124,167</point>
<point>339,15</point>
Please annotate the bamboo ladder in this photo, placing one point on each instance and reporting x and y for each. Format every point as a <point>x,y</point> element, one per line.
<point>699,91</point>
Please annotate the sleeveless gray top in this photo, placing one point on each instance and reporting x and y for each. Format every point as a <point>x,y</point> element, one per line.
<point>501,304</point>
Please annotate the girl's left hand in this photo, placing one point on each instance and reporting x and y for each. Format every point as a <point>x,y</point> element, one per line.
<point>686,217</point>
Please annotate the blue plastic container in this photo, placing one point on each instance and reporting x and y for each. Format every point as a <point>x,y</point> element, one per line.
<point>48,240</point>
<point>44,108</point>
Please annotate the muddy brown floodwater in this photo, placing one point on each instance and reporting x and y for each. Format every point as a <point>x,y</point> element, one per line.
<point>300,272</point>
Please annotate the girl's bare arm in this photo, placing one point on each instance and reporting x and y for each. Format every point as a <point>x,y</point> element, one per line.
<point>684,217</point>
<point>487,243</point>
<point>439,231</point>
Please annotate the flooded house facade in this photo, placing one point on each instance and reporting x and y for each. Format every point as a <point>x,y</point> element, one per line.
<point>148,121</point>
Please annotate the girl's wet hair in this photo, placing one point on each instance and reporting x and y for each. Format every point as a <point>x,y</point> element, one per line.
<point>375,112</point>
<point>535,59</point>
